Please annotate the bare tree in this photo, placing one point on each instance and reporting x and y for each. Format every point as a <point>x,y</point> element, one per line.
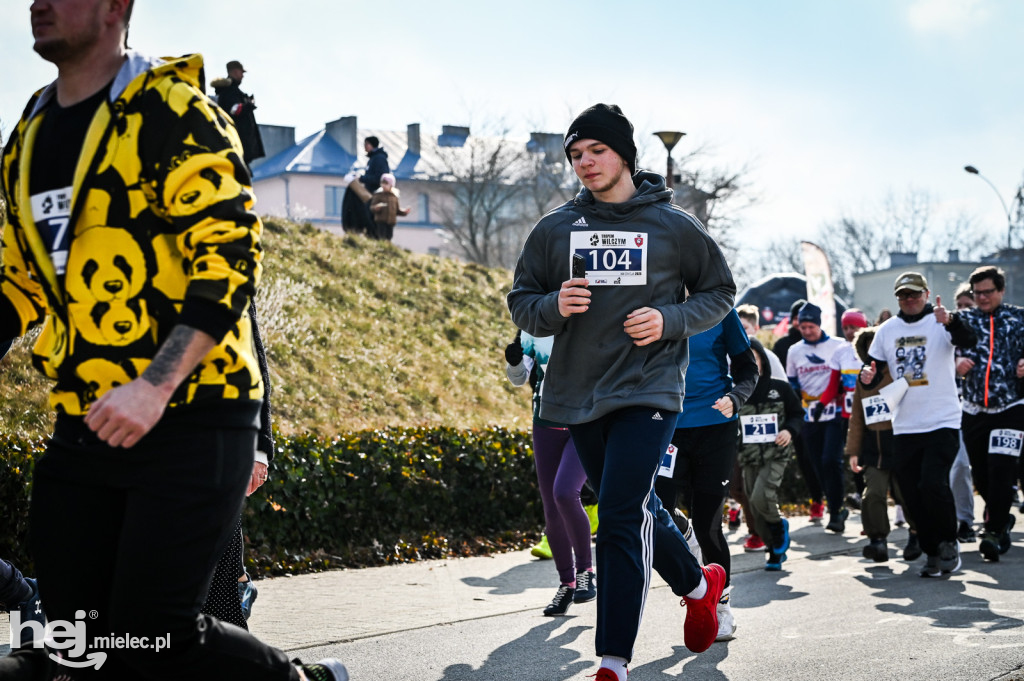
<point>481,178</point>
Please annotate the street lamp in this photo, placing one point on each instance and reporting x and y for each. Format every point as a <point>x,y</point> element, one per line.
<point>670,139</point>
<point>1009,220</point>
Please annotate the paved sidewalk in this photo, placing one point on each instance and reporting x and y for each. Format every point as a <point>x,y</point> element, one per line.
<point>346,605</point>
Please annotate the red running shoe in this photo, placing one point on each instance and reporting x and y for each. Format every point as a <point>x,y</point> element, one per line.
<point>604,674</point>
<point>753,543</point>
<point>701,625</point>
<point>817,511</point>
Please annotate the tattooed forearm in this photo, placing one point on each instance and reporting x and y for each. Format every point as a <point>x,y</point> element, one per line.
<point>170,356</point>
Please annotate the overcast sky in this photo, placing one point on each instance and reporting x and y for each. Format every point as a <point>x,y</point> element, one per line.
<point>832,104</point>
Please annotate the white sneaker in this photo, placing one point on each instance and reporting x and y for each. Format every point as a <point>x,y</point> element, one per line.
<point>726,622</point>
<point>691,541</point>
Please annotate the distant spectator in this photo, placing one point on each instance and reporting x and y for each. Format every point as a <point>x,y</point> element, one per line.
<point>750,317</point>
<point>385,209</point>
<point>240,106</point>
<point>884,314</point>
<point>377,165</point>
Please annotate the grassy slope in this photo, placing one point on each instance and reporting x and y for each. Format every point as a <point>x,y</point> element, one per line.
<point>359,334</point>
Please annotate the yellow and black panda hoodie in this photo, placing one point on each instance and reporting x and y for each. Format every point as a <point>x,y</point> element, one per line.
<point>164,234</point>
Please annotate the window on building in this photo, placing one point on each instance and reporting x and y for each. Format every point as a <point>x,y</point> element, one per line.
<point>433,250</point>
<point>424,208</point>
<point>332,201</point>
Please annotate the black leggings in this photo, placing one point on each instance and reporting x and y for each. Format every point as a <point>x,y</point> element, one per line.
<point>704,467</point>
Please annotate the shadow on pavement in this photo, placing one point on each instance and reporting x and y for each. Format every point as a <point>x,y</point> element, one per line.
<point>703,666</point>
<point>962,612</point>
<point>756,589</point>
<point>535,574</point>
<point>546,657</point>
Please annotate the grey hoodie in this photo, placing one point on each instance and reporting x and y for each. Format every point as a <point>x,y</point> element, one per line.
<point>595,368</point>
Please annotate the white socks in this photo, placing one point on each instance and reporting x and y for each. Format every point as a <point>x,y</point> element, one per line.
<point>701,590</point>
<point>616,664</point>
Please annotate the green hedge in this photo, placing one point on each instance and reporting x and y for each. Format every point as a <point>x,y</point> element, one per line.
<point>365,498</point>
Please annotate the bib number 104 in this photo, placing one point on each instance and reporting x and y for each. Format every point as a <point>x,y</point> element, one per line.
<point>610,259</point>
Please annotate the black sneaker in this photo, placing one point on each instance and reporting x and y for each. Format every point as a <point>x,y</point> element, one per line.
<point>837,521</point>
<point>854,501</point>
<point>328,669</point>
<point>586,587</point>
<point>989,546</point>
<point>876,551</point>
<point>949,556</point>
<point>912,551</point>
<point>1004,538</point>
<point>965,533</point>
<point>561,602</point>
<point>931,568</point>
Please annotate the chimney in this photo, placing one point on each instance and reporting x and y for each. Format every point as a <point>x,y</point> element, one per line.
<point>898,259</point>
<point>412,136</point>
<point>276,138</point>
<point>343,131</point>
<point>953,255</point>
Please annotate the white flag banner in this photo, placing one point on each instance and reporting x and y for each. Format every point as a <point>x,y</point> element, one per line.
<point>819,284</point>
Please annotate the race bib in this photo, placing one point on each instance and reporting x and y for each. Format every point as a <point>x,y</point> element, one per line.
<point>827,414</point>
<point>848,403</point>
<point>668,462</point>
<point>52,212</point>
<point>1005,441</point>
<point>612,258</point>
<point>759,428</point>
<point>876,410</point>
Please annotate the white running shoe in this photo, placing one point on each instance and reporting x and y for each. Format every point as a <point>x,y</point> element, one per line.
<point>726,622</point>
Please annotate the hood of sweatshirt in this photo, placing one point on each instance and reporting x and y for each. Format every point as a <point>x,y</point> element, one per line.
<point>650,188</point>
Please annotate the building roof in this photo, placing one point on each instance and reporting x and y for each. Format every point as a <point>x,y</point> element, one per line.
<point>318,154</point>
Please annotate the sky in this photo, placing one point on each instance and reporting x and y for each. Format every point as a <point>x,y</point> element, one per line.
<point>829,105</point>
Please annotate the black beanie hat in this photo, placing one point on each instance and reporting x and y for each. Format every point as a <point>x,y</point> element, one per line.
<point>604,123</point>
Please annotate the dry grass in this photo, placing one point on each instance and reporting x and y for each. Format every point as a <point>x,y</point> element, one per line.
<point>359,334</point>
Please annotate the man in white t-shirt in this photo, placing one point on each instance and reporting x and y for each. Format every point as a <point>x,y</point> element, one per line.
<point>918,346</point>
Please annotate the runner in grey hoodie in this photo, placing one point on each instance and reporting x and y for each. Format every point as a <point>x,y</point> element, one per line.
<point>654,277</point>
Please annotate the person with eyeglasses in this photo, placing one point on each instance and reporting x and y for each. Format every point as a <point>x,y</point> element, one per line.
<point>993,405</point>
<point>917,346</point>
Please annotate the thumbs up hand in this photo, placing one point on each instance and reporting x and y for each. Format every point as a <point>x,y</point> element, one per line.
<point>867,374</point>
<point>941,313</point>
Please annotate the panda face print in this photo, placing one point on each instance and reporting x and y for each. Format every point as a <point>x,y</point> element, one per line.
<point>105,265</point>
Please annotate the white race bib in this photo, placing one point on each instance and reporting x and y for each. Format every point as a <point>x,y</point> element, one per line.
<point>848,402</point>
<point>668,462</point>
<point>52,212</point>
<point>759,428</point>
<point>876,410</point>
<point>612,258</point>
<point>1005,441</point>
<point>827,414</point>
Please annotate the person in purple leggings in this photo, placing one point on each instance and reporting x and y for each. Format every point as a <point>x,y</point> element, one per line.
<point>560,477</point>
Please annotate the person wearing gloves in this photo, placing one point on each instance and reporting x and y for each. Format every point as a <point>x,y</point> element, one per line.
<point>768,423</point>
<point>808,370</point>
<point>560,478</point>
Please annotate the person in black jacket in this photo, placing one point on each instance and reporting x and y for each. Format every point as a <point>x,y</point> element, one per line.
<point>240,106</point>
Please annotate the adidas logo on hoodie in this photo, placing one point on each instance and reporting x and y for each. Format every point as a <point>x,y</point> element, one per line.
<point>582,222</point>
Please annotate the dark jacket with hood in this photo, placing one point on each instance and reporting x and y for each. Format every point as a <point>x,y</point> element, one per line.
<point>375,168</point>
<point>870,443</point>
<point>770,396</point>
<point>241,107</point>
<point>595,367</point>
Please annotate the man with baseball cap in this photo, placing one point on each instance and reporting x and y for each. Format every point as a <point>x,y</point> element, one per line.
<point>241,107</point>
<point>918,347</point>
<point>652,278</point>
